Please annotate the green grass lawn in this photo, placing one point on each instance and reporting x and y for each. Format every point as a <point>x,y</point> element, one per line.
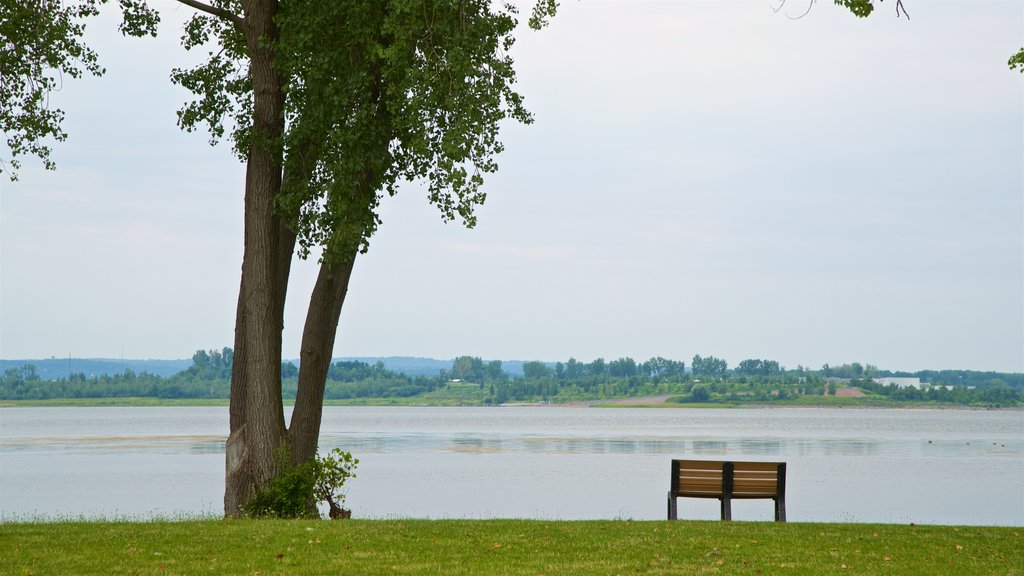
<point>504,547</point>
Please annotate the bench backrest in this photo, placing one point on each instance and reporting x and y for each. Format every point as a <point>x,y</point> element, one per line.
<point>710,478</point>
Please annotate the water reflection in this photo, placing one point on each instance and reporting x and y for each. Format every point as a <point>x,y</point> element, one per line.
<point>761,447</point>
<point>850,447</point>
<point>633,445</point>
<point>475,444</point>
<point>533,444</point>
<point>115,445</point>
<point>709,447</point>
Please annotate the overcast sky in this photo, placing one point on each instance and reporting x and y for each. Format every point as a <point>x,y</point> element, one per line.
<point>702,178</point>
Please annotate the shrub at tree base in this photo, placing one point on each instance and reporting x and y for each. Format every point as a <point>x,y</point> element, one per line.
<point>296,492</point>
<point>331,473</point>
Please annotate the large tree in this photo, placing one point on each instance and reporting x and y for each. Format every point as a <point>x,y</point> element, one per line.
<point>331,104</point>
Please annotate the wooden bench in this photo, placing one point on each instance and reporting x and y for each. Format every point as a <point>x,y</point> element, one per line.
<point>728,481</point>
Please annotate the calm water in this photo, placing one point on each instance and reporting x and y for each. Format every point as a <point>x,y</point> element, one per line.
<point>939,467</point>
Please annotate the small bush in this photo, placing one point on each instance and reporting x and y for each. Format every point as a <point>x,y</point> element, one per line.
<point>332,471</point>
<point>699,394</point>
<point>297,490</point>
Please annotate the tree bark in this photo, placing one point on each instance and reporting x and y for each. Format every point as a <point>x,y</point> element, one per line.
<point>237,476</point>
<point>318,336</point>
<point>257,418</point>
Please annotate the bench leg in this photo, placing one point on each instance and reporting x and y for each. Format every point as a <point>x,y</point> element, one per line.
<point>780,509</point>
<point>726,508</point>
<point>671,506</point>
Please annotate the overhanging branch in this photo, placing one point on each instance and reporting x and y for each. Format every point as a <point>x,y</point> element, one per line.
<point>899,4</point>
<point>218,12</point>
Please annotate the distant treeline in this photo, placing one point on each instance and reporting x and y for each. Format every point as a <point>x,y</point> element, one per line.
<point>209,377</point>
<point>707,379</point>
<point>710,379</point>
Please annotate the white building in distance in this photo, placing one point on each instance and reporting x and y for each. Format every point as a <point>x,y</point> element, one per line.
<point>901,382</point>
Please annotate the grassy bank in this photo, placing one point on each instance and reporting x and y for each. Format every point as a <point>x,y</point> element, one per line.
<point>505,547</point>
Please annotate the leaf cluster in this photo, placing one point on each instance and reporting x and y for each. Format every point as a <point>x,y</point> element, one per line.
<point>1017,61</point>
<point>40,44</point>
<point>859,8</point>
<point>332,471</point>
<point>221,85</point>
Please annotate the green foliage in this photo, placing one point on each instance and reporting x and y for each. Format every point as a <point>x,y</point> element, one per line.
<point>353,381</point>
<point>622,368</point>
<point>543,12</point>
<point>375,93</point>
<point>40,44</point>
<point>860,8</point>
<point>850,370</point>
<point>221,85</point>
<point>699,394</point>
<point>290,494</point>
<point>756,367</point>
<point>295,491</point>
<point>709,366</point>
<point>210,365</point>
<point>1017,61</point>
<point>468,368</point>
<point>535,370</point>
<point>332,471</point>
<point>404,90</point>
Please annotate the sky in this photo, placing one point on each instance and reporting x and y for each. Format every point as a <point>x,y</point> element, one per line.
<point>708,178</point>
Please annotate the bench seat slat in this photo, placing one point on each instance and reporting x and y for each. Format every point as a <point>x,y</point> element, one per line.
<point>754,473</point>
<point>714,488</point>
<point>700,480</point>
<point>700,473</point>
<point>754,483</point>
<point>700,464</point>
<point>756,466</point>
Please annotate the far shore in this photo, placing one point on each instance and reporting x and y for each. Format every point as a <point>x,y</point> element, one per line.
<point>660,402</point>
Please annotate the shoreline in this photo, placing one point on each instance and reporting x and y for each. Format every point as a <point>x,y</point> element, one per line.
<point>655,402</point>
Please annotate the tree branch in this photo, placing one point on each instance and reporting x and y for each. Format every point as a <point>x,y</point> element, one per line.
<point>899,4</point>
<point>218,12</point>
<point>808,11</point>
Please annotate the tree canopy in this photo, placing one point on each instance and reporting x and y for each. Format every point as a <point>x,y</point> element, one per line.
<point>382,92</point>
<point>41,44</point>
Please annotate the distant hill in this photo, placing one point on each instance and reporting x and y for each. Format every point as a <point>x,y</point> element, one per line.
<point>52,368</point>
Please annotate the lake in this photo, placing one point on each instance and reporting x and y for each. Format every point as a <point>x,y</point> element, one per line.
<point>963,467</point>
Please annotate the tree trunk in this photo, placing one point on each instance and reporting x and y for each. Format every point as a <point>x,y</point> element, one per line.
<point>318,337</point>
<point>257,417</point>
<point>237,478</point>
